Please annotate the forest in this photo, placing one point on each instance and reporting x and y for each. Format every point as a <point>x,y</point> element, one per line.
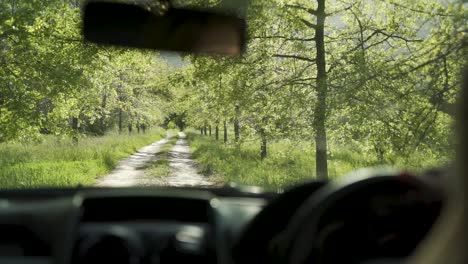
<point>369,82</point>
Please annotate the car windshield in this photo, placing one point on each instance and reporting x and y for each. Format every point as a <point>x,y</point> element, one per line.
<point>325,87</point>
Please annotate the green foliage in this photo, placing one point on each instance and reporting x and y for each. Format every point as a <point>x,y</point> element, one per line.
<point>289,162</point>
<point>392,77</point>
<point>51,82</point>
<point>63,163</point>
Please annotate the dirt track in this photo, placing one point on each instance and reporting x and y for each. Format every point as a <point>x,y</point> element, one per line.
<point>130,171</point>
<point>184,172</point>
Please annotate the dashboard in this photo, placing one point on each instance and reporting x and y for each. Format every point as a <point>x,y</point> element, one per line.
<point>363,220</point>
<point>131,225</point>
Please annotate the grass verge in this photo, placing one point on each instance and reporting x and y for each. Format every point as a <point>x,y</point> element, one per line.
<point>283,167</point>
<point>62,163</point>
<point>287,163</point>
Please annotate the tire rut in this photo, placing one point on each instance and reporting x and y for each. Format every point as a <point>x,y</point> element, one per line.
<point>184,172</point>
<point>130,171</point>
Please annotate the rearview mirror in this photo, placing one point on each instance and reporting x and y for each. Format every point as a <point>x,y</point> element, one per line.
<point>161,27</point>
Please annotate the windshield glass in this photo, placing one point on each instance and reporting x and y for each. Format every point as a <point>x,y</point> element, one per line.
<point>324,88</point>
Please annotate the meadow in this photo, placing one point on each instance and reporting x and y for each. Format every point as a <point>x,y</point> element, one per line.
<point>57,162</point>
<point>60,162</point>
<point>288,162</point>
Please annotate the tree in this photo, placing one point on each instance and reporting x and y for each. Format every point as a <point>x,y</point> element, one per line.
<point>53,82</point>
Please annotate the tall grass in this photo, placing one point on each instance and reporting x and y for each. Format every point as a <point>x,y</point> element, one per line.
<point>284,166</point>
<point>58,162</point>
<point>288,162</point>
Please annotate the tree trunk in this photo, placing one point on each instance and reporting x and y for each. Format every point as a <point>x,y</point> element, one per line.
<point>138,128</point>
<point>225,132</point>
<point>205,131</point>
<point>263,147</point>
<point>236,130</point>
<point>236,125</point>
<point>74,125</point>
<point>1,104</point>
<point>209,129</point>
<point>102,121</point>
<point>201,131</point>
<point>130,128</point>
<point>321,161</point>
<point>217,132</point>
<point>120,121</point>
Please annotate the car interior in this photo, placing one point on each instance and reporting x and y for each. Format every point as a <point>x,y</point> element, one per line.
<point>369,216</point>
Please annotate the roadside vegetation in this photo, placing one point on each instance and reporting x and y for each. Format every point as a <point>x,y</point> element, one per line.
<point>288,162</point>
<point>243,165</point>
<point>56,162</point>
<point>323,88</point>
<point>353,83</point>
<point>160,167</point>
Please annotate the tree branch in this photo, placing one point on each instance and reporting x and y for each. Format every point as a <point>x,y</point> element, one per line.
<point>309,24</point>
<point>379,31</point>
<point>308,10</point>
<point>387,35</point>
<point>421,11</point>
<point>293,57</point>
<point>339,11</point>
<point>285,38</point>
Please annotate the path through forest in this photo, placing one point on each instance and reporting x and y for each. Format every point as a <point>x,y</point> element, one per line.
<point>184,172</point>
<point>130,171</point>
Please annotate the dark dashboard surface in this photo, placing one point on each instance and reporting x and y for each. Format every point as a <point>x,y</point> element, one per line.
<point>386,215</point>
<point>133,225</point>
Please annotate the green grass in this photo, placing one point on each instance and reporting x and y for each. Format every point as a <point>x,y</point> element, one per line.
<point>288,162</point>
<point>160,168</point>
<point>61,163</point>
<point>285,165</point>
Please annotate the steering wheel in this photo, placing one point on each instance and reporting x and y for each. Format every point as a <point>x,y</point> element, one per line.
<point>253,245</point>
<point>370,215</point>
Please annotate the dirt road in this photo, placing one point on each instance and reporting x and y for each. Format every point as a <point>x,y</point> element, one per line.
<point>184,172</point>
<point>130,171</point>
